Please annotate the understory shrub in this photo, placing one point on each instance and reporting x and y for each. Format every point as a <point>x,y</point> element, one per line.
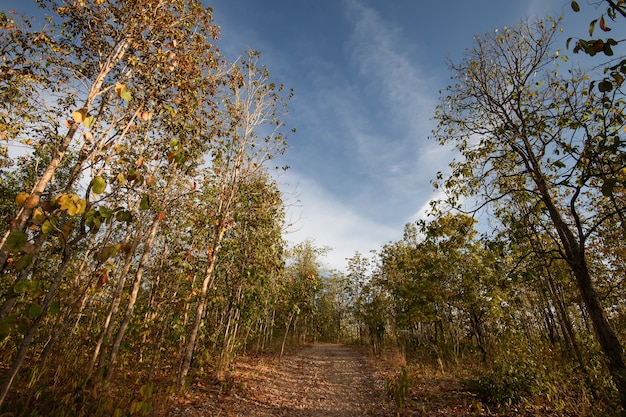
<point>511,381</point>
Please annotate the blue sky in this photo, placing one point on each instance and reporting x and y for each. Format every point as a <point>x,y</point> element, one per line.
<point>366,76</point>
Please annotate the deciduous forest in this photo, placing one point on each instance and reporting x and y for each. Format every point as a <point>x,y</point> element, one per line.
<point>142,236</point>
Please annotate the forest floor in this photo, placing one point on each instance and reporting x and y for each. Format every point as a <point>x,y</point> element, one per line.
<point>336,380</point>
<point>319,380</point>
<point>324,380</point>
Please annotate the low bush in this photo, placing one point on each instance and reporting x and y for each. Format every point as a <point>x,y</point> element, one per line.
<point>510,382</point>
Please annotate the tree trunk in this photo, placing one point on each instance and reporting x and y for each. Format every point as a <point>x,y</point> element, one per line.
<point>606,336</point>
<point>574,251</point>
<point>107,328</point>
<point>133,297</point>
<point>32,330</point>
<point>282,348</point>
<point>209,274</point>
<point>604,331</point>
<point>24,214</point>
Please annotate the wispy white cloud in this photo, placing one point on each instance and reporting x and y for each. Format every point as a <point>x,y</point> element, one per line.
<point>405,95</point>
<point>378,121</point>
<point>543,8</point>
<point>317,215</point>
<point>389,65</point>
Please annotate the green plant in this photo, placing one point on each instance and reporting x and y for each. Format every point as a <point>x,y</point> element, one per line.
<point>143,406</point>
<point>509,382</point>
<point>397,389</point>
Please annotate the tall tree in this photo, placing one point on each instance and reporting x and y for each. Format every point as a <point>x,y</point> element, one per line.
<point>251,102</point>
<point>99,85</point>
<point>525,132</point>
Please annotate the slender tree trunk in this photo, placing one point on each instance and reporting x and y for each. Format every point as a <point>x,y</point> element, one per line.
<point>24,214</point>
<point>32,330</point>
<point>107,327</point>
<point>574,250</point>
<point>564,319</point>
<point>209,275</point>
<point>282,348</point>
<point>605,334</point>
<point>133,297</point>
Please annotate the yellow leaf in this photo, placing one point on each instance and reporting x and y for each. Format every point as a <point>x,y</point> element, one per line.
<point>65,202</point>
<point>80,115</point>
<point>21,198</point>
<point>47,227</point>
<point>39,216</point>
<point>72,204</point>
<point>119,89</point>
<point>81,205</point>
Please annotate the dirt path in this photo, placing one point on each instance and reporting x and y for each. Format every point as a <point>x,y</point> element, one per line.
<point>320,380</point>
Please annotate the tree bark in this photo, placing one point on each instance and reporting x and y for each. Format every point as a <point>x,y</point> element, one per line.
<point>575,257</point>
<point>32,330</point>
<point>200,309</point>
<point>133,297</point>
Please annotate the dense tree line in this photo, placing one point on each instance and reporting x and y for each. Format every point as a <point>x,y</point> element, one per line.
<point>142,241</point>
<point>538,295</point>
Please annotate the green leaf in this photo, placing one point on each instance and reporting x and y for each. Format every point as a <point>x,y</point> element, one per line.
<point>575,6</point>
<point>107,252</point>
<point>146,390</point>
<point>608,186</point>
<point>92,220</point>
<point>88,122</point>
<point>21,286</point>
<point>34,310</point>
<point>98,185</point>
<point>605,86</point>
<point>126,95</point>
<point>55,306</point>
<point>124,216</point>
<point>47,227</point>
<point>16,241</point>
<point>105,212</point>
<point>145,203</point>
<point>23,262</point>
<point>5,330</point>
